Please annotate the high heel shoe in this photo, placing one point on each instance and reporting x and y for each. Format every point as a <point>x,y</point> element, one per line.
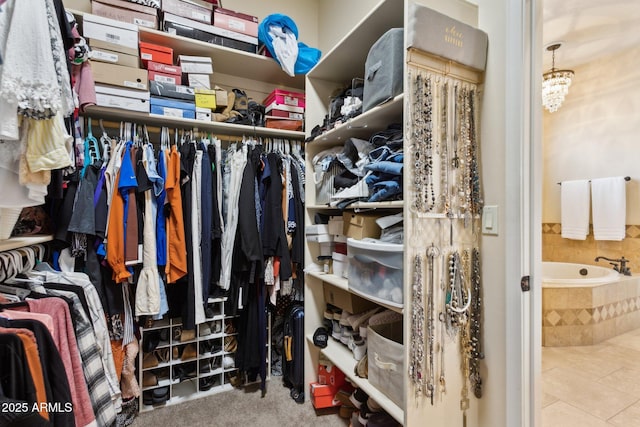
<point>149,360</point>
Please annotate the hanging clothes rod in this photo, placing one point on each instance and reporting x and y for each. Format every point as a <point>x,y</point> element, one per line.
<point>626,178</point>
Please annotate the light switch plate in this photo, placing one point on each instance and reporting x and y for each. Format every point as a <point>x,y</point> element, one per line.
<point>490,220</point>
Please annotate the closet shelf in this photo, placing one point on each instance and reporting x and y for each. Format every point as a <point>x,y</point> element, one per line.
<point>228,61</point>
<point>346,59</point>
<point>392,204</point>
<point>20,242</point>
<point>342,283</point>
<point>184,392</point>
<point>222,128</point>
<point>342,357</point>
<point>364,125</point>
<point>162,383</point>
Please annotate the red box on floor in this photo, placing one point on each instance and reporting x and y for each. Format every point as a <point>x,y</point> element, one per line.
<point>330,375</point>
<point>322,395</point>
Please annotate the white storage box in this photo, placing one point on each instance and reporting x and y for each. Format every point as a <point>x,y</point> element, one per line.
<point>375,270</point>
<point>326,248</point>
<point>316,229</point>
<point>110,30</point>
<point>386,355</point>
<point>339,264</point>
<point>132,100</point>
<point>195,64</point>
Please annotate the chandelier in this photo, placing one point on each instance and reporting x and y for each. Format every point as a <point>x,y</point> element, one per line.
<point>555,83</point>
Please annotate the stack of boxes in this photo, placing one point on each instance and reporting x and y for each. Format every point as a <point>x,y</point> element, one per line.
<point>126,11</point>
<point>284,110</point>
<point>120,82</point>
<point>199,20</point>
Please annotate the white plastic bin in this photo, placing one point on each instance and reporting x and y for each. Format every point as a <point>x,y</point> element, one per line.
<point>375,270</point>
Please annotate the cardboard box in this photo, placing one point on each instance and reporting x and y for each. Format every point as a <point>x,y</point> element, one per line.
<point>132,100</point>
<point>235,21</point>
<point>322,396</point>
<point>118,75</point>
<point>198,81</point>
<point>221,98</point>
<point>126,11</point>
<point>164,68</point>
<point>192,9</point>
<point>345,300</point>
<point>172,108</point>
<point>110,30</point>
<point>206,98</point>
<point>155,53</point>
<point>359,225</point>
<point>203,114</point>
<point>112,57</point>
<point>168,90</point>
<point>196,64</point>
<point>164,78</point>
<point>336,225</point>
<point>102,45</point>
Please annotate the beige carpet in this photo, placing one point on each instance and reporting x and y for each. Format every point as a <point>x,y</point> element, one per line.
<point>241,407</point>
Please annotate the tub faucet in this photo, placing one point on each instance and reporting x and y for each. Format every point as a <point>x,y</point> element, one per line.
<point>619,265</point>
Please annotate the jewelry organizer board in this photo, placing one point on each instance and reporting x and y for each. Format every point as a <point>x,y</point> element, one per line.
<point>435,227</point>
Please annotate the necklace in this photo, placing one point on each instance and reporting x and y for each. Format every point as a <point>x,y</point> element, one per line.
<point>416,365</point>
<point>475,326</point>
<point>432,253</point>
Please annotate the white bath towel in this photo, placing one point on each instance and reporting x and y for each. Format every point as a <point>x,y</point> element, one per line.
<point>574,208</point>
<point>609,208</point>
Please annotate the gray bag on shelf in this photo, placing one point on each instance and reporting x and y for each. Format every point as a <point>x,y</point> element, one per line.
<point>383,69</point>
<point>386,355</point>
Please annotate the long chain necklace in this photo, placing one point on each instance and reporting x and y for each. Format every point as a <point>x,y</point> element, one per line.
<point>476,196</point>
<point>416,365</point>
<point>432,253</point>
<point>422,146</point>
<point>475,325</point>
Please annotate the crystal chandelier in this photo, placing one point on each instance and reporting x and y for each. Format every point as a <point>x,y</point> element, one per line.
<point>555,83</point>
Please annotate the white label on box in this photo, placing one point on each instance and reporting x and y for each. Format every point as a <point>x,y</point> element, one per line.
<point>184,89</point>
<point>104,56</point>
<point>144,22</point>
<point>296,116</point>
<point>136,85</point>
<point>203,116</point>
<point>236,25</point>
<point>290,100</point>
<point>164,79</point>
<point>173,112</point>
<point>199,15</point>
<point>146,56</point>
<point>172,31</point>
<point>113,38</point>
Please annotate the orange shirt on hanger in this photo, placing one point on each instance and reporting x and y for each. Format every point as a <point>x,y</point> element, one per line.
<point>177,250</point>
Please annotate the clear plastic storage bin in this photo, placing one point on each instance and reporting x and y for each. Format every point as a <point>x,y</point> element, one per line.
<point>375,270</point>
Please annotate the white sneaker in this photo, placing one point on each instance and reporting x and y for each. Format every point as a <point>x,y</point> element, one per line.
<point>359,348</point>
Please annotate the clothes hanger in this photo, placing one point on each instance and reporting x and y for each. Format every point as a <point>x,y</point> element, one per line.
<point>91,148</point>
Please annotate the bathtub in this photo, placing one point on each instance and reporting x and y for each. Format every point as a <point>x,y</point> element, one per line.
<point>565,274</point>
<point>586,304</point>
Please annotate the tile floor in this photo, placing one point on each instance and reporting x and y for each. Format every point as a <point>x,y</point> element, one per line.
<point>592,386</point>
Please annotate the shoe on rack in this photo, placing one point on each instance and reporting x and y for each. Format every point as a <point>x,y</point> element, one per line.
<point>355,320</point>
<point>160,395</point>
<point>204,330</point>
<point>207,383</point>
<point>162,355</point>
<point>189,352</point>
<point>347,335</point>
<point>188,335</point>
<point>175,353</point>
<point>230,344</point>
<point>358,397</point>
<point>150,341</point>
<point>362,367</point>
<point>149,360</point>
<point>359,347</point>
<point>228,362</point>
<point>176,333</point>
<point>381,419</point>
<point>336,331</point>
<point>149,379</point>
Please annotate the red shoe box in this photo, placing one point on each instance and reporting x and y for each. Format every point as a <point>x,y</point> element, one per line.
<point>322,395</point>
<point>284,97</point>
<point>330,375</point>
<point>164,68</point>
<point>164,78</point>
<point>155,53</point>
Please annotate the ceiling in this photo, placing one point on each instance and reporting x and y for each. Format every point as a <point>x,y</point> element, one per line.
<point>589,29</point>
